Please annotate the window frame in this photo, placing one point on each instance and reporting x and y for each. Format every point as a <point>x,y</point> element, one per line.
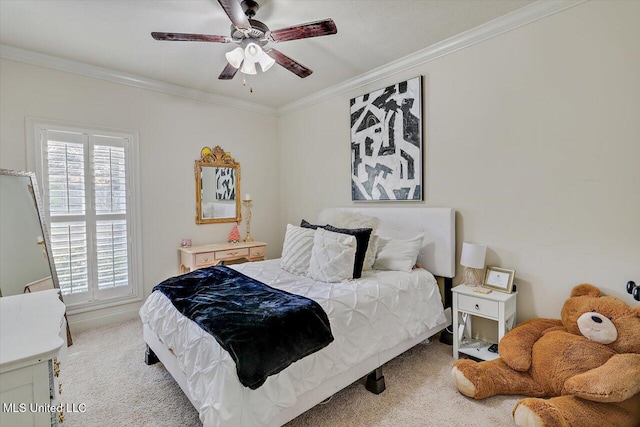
<point>103,298</point>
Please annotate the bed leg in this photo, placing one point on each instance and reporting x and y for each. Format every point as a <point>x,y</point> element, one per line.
<point>446,336</point>
<point>150,357</point>
<point>375,381</point>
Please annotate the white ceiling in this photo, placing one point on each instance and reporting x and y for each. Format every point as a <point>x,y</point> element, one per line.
<point>115,34</point>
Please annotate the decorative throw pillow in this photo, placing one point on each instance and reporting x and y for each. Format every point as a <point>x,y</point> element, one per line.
<point>296,250</point>
<point>332,256</point>
<point>370,255</point>
<point>362,238</point>
<point>397,254</point>
<point>347,219</point>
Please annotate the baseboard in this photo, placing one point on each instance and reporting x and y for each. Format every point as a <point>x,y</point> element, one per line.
<point>97,318</point>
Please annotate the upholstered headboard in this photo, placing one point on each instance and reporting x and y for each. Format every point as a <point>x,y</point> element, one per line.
<point>438,224</point>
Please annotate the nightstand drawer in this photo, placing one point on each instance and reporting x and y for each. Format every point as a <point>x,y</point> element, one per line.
<point>205,259</point>
<point>257,252</point>
<point>478,306</point>
<point>232,253</point>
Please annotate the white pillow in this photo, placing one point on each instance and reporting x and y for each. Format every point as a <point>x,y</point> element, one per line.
<point>396,254</point>
<point>296,250</point>
<point>342,218</point>
<point>370,255</point>
<point>332,256</point>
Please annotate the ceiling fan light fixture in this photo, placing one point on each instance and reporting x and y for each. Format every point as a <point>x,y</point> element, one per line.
<point>248,67</point>
<point>235,57</point>
<point>253,52</point>
<point>266,62</point>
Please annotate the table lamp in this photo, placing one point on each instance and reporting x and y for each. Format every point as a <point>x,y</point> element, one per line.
<point>472,258</point>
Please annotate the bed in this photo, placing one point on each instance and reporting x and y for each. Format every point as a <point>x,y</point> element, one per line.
<point>373,319</point>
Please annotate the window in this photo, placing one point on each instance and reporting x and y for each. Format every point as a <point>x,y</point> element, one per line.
<point>89,190</point>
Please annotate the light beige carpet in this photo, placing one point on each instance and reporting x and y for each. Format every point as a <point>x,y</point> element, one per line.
<point>105,370</point>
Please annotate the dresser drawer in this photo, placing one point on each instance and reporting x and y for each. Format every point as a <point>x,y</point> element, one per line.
<point>478,305</point>
<point>194,257</point>
<point>232,253</point>
<point>205,259</point>
<point>257,252</point>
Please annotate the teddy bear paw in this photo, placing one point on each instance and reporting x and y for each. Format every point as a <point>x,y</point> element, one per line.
<point>534,412</point>
<point>523,416</point>
<point>464,385</point>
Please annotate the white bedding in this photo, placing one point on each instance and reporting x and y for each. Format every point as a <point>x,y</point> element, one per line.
<point>367,316</point>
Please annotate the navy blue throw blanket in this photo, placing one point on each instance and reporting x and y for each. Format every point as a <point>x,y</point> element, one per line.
<point>262,328</point>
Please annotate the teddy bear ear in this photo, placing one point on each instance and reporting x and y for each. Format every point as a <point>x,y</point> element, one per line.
<point>585,289</point>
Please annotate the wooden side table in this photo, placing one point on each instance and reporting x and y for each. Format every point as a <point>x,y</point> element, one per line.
<point>196,257</point>
<point>497,306</point>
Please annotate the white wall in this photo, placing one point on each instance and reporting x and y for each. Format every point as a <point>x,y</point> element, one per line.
<point>532,136</point>
<point>172,130</point>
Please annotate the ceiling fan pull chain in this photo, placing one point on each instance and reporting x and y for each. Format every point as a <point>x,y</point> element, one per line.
<point>244,83</point>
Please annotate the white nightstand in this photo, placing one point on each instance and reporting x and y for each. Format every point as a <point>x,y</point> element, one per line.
<point>497,306</point>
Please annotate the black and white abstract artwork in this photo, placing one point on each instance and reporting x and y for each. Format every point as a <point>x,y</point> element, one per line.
<point>386,143</point>
<point>225,184</point>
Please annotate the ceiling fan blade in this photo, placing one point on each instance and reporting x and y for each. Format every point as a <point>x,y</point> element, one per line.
<point>235,13</point>
<point>288,63</point>
<point>324,27</point>
<point>228,73</point>
<point>181,37</point>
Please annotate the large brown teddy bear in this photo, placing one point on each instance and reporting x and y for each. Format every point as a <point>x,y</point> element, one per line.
<point>588,363</point>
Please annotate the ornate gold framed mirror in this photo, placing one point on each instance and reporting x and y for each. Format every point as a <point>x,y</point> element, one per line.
<point>217,187</point>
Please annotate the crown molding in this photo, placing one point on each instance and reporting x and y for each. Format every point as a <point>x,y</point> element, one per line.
<point>501,25</point>
<point>518,18</point>
<point>35,58</point>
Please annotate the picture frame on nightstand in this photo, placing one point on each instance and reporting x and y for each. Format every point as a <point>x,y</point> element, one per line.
<point>499,279</point>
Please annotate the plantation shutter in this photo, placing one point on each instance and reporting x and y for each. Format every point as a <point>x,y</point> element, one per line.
<point>110,188</point>
<point>86,200</point>
<point>65,203</point>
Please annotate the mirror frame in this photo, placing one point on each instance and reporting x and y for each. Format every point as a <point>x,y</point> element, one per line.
<point>216,157</point>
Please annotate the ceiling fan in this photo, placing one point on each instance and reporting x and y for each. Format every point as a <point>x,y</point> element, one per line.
<point>251,36</point>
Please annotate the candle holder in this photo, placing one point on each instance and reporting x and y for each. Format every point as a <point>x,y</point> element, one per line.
<point>247,205</point>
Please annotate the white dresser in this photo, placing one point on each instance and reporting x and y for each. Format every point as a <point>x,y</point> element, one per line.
<point>32,346</point>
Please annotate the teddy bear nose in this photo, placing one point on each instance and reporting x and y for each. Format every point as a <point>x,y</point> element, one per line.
<point>596,319</point>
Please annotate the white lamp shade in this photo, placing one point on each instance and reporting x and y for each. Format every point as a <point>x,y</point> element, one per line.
<point>252,52</point>
<point>248,67</point>
<point>266,62</point>
<point>235,57</point>
<point>473,255</point>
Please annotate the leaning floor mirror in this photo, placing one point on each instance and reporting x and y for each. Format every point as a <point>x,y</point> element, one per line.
<point>26,260</point>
